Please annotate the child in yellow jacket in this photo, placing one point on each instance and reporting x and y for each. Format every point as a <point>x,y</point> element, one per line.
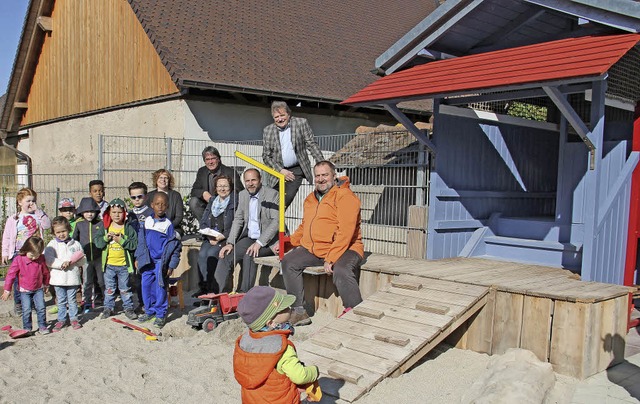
<point>265,362</point>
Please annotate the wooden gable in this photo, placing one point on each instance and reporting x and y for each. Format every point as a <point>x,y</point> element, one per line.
<point>95,55</point>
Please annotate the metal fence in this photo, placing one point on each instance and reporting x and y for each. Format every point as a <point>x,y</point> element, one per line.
<point>388,171</point>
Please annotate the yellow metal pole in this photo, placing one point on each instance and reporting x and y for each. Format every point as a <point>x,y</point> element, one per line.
<point>281,180</point>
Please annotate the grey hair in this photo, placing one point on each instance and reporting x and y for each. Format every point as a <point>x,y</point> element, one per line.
<point>278,105</point>
<point>210,150</point>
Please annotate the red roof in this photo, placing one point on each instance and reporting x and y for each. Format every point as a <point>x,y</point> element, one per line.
<point>550,61</point>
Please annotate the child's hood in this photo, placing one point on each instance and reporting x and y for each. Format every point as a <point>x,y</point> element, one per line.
<point>87,204</point>
<point>106,217</point>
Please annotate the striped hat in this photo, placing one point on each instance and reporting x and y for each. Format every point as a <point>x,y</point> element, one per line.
<point>261,304</point>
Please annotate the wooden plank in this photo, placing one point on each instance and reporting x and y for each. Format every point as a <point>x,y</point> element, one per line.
<point>395,324</point>
<point>327,339</point>
<point>343,372</point>
<point>479,334</point>
<point>536,326</point>
<point>507,325</point>
<point>368,283</point>
<point>431,307</point>
<point>371,332</point>
<point>411,315</point>
<point>570,332</point>
<point>367,312</point>
<point>350,357</point>
<point>384,337</point>
<point>448,286</point>
<point>417,239</point>
<point>376,347</point>
<point>451,299</point>
<point>439,337</point>
<point>398,283</point>
<point>339,388</point>
<point>411,302</point>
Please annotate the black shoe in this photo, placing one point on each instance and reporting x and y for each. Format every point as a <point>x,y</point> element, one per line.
<point>131,315</point>
<point>106,314</point>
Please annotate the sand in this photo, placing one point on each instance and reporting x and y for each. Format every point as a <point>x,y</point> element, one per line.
<point>104,361</point>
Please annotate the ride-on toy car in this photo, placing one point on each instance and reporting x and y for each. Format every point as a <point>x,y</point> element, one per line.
<point>214,309</point>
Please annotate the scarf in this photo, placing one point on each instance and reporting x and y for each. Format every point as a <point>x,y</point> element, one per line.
<point>219,205</point>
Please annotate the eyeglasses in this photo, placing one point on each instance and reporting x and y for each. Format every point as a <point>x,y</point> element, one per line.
<point>223,187</point>
<point>135,197</point>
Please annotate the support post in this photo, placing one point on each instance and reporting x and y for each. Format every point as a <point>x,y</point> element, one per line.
<point>404,120</point>
<point>592,177</point>
<point>169,147</point>
<point>101,157</point>
<point>634,220</point>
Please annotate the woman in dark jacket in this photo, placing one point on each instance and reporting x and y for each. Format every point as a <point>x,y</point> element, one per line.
<point>163,180</point>
<point>218,216</point>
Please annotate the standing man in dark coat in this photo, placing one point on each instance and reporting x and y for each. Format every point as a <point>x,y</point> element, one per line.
<point>203,188</point>
<point>285,145</point>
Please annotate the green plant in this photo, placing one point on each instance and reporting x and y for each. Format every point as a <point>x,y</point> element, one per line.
<point>189,222</point>
<point>527,111</point>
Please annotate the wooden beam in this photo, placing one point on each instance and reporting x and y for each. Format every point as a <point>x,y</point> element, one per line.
<point>404,120</point>
<point>45,24</point>
<point>20,105</point>
<point>500,118</point>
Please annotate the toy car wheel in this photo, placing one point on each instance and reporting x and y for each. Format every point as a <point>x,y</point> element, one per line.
<point>208,325</point>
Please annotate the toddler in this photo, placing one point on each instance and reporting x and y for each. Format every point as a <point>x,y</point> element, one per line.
<point>118,241</point>
<point>31,271</point>
<point>28,221</point>
<point>67,209</point>
<point>65,258</point>
<point>88,228</point>
<point>265,362</point>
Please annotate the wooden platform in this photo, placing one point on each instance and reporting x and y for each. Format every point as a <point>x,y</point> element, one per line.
<point>388,333</point>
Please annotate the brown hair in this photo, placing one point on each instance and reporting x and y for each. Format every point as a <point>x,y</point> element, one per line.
<point>158,173</point>
<point>223,177</point>
<point>61,220</point>
<point>24,192</point>
<point>33,245</point>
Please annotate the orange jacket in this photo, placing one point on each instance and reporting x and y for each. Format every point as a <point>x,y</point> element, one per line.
<point>256,372</point>
<point>331,226</point>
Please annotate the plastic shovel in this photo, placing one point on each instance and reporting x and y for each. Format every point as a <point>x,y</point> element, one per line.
<point>15,333</point>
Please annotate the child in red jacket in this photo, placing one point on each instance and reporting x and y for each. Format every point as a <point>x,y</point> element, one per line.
<point>33,278</point>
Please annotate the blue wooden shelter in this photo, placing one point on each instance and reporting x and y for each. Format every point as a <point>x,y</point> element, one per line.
<point>532,151</point>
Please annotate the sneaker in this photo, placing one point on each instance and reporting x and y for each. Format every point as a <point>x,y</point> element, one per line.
<point>76,325</point>
<point>143,318</point>
<point>17,309</point>
<point>58,326</point>
<point>159,322</point>
<point>106,314</point>
<point>131,315</point>
<point>44,330</point>
<point>53,310</point>
<point>299,318</point>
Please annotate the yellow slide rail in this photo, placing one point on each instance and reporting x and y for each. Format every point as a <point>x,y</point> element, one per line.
<point>281,207</point>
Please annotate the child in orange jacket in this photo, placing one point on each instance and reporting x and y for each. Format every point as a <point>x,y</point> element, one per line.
<point>265,362</point>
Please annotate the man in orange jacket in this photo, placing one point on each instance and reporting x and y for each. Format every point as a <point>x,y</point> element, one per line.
<point>329,235</point>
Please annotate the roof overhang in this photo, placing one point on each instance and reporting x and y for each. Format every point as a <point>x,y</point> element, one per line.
<point>563,62</point>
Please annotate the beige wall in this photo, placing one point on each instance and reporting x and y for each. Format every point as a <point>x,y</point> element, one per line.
<point>72,145</point>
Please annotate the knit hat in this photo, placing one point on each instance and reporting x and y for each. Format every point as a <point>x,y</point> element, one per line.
<point>87,204</point>
<point>261,304</point>
<point>66,203</point>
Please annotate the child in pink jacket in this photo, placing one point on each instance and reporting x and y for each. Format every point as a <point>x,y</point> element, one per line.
<point>30,269</point>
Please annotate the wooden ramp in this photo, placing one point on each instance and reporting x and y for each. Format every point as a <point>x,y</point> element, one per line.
<point>388,333</point>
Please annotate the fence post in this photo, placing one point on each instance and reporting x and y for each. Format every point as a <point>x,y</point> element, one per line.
<point>421,175</point>
<point>169,147</point>
<point>100,156</point>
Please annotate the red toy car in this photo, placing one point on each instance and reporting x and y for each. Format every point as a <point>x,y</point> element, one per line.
<point>214,309</point>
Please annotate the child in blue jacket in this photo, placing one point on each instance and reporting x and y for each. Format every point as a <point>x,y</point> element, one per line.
<point>158,254</point>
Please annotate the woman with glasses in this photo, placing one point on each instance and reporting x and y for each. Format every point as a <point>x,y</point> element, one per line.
<point>218,216</point>
<point>164,182</point>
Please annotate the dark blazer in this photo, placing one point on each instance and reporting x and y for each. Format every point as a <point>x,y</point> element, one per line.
<point>268,199</point>
<point>201,183</point>
<point>207,217</point>
<point>302,139</point>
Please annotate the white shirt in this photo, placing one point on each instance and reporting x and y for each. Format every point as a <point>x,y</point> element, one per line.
<point>254,217</point>
<point>286,145</point>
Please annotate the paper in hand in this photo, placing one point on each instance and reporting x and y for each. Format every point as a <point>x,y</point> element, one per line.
<point>209,232</point>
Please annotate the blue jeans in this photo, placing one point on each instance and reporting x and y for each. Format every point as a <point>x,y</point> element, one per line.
<point>115,276</point>
<point>38,301</point>
<point>67,295</point>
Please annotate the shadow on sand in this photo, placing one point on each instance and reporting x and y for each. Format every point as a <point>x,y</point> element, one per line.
<point>623,373</point>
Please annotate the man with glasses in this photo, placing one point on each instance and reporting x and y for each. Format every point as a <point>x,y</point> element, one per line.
<point>203,188</point>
